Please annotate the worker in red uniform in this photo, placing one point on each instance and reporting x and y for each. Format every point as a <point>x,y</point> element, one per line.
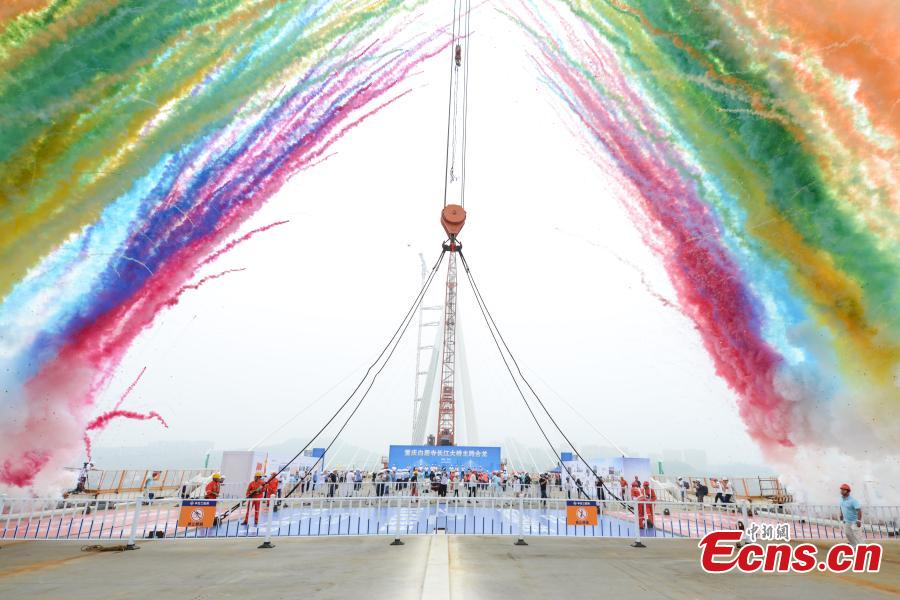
<point>272,488</point>
<point>649,497</point>
<point>256,489</point>
<point>636,495</point>
<point>214,487</point>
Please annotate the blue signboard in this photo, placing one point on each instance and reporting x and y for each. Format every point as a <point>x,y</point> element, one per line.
<point>485,458</point>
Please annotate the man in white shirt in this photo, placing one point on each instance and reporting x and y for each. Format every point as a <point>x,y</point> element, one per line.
<point>717,486</point>
<point>683,488</point>
<point>727,491</point>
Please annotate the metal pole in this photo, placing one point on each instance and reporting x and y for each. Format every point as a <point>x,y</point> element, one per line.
<point>134,523</point>
<point>267,543</point>
<point>637,529</point>
<point>745,523</point>
<point>521,541</point>
<point>397,541</point>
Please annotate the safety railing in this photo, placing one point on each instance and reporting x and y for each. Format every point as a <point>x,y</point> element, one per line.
<point>135,519</point>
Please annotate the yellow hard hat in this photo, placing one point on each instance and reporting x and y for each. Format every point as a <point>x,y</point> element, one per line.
<point>259,474</point>
<point>216,476</point>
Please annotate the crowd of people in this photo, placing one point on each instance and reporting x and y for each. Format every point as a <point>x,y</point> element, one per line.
<point>440,482</point>
<point>470,483</point>
<point>724,492</point>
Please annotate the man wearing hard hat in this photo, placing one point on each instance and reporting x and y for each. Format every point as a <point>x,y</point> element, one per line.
<point>255,490</point>
<point>214,487</point>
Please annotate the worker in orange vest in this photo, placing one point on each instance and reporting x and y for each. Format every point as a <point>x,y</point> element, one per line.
<point>272,488</point>
<point>649,497</point>
<point>256,489</point>
<point>214,487</point>
<point>637,495</point>
<point>272,485</point>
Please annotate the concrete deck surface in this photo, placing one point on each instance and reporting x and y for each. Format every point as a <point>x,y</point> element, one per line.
<point>432,567</point>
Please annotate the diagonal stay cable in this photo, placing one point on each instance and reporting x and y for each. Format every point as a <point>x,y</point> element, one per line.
<point>394,340</point>
<point>492,326</point>
<point>515,381</point>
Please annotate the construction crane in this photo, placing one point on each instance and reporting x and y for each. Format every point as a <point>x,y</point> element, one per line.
<point>446,427</point>
<point>453,215</point>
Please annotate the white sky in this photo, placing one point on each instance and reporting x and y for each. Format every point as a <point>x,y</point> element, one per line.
<point>322,294</point>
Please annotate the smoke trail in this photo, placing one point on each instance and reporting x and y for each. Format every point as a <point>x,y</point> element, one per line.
<point>124,169</point>
<point>763,183</point>
<point>128,390</point>
<point>100,422</point>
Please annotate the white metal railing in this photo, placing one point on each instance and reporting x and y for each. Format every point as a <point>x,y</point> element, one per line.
<point>403,515</point>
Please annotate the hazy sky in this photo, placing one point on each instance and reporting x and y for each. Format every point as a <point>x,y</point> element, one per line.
<point>321,295</point>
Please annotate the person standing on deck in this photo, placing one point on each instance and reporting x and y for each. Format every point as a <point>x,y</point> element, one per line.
<point>649,497</point>
<point>255,490</point>
<point>701,491</point>
<point>148,484</point>
<point>683,488</point>
<point>272,488</point>
<point>851,515</point>
<point>717,486</point>
<point>214,487</point>
<point>636,496</point>
<point>727,492</point>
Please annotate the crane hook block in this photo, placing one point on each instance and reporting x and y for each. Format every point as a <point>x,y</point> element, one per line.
<point>453,217</point>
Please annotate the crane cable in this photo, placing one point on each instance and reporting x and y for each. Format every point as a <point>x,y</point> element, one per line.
<point>460,30</point>
<point>393,341</point>
<point>465,119</point>
<point>498,340</point>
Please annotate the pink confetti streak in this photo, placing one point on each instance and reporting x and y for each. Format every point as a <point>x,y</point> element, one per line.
<point>130,387</point>
<point>101,421</point>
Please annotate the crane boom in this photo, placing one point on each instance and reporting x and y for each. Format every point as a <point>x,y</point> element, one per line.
<point>446,430</point>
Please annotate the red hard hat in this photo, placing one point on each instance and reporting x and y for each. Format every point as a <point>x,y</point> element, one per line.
<point>646,484</point>
<point>845,486</point>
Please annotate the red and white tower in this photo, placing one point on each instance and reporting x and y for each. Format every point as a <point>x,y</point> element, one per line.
<point>453,217</point>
